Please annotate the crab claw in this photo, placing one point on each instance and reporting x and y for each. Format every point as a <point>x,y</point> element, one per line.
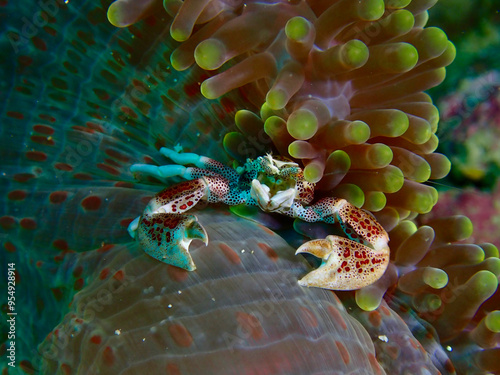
<point>167,237</point>
<point>347,265</point>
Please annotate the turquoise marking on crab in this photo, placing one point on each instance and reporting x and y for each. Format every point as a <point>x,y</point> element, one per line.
<point>275,185</point>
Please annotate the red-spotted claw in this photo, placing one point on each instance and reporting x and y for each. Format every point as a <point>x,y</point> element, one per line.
<point>348,264</point>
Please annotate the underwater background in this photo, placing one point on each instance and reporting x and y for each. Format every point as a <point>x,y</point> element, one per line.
<point>336,85</point>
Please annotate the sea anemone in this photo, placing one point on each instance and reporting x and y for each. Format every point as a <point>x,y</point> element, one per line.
<point>338,86</point>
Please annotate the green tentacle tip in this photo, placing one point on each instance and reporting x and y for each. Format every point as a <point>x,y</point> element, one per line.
<point>490,250</point>
<point>367,300</point>
<point>338,160</point>
<point>371,10</point>
<point>276,99</point>
<point>463,227</point>
<point>302,124</point>
<point>428,303</point>
<point>422,172</point>
<point>435,41</point>
<point>492,321</point>
<point>355,54</point>
<point>435,278</point>
<point>400,57</point>
<point>210,54</point>
<point>396,4</point>
<point>313,172</point>
<point>484,284</point>
<point>116,15</point>
<point>402,21</point>
<point>207,91</point>
<point>358,132</point>
<point>179,34</point>
<point>380,155</point>
<point>425,200</point>
<point>394,180</point>
<point>232,145</point>
<point>352,193</point>
<point>298,28</point>
<point>374,201</point>
<point>176,61</point>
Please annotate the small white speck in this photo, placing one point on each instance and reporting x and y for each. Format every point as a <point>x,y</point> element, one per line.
<point>118,332</point>
<point>251,252</point>
<point>169,305</point>
<point>143,339</point>
<point>242,251</point>
<point>213,299</point>
<point>383,338</point>
<point>449,348</point>
<point>179,292</point>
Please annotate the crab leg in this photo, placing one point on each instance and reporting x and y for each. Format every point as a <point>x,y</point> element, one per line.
<point>164,232</point>
<point>201,162</point>
<point>347,263</point>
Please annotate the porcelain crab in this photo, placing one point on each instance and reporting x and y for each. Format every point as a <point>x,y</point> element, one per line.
<point>275,185</point>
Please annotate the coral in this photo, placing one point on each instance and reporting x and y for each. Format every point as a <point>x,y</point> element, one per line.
<point>339,87</point>
<point>482,207</point>
<point>470,118</point>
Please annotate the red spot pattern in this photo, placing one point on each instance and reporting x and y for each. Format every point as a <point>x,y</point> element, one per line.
<point>108,356</point>
<point>43,129</point>
<point>27,367</point>
<point>91,203</point>
<point>83,176</point>
<point>17,195</point>
<point>57,197</point>
<point>36,156</point>
<point>60,244</point>
<point>96,339</point>
<point>268,251</point>
<point>344,354</point>
<point>77,272</point>
<point>78,285</point>
<point>173,369</point>
<point>105,248</point>
<point>16,115</point>
<point>10,247</point>
<point>181,336</point>
<point>63,167</point>
<point>23,177</point>
<point>375,318</point>
<point>28,223</point>
<point>250,325</point>
<point>42,140</point>
<point>104,273</point>
<point>230,254</point>
<point>308,317</point>
<point>66,369</point>
<point>377,370</point>
<point>57,293</point>
<point>7,222</point>
<point>119,275</point>
<point>335,314</point>
<point>108,169</point>
<point>177,274</point>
